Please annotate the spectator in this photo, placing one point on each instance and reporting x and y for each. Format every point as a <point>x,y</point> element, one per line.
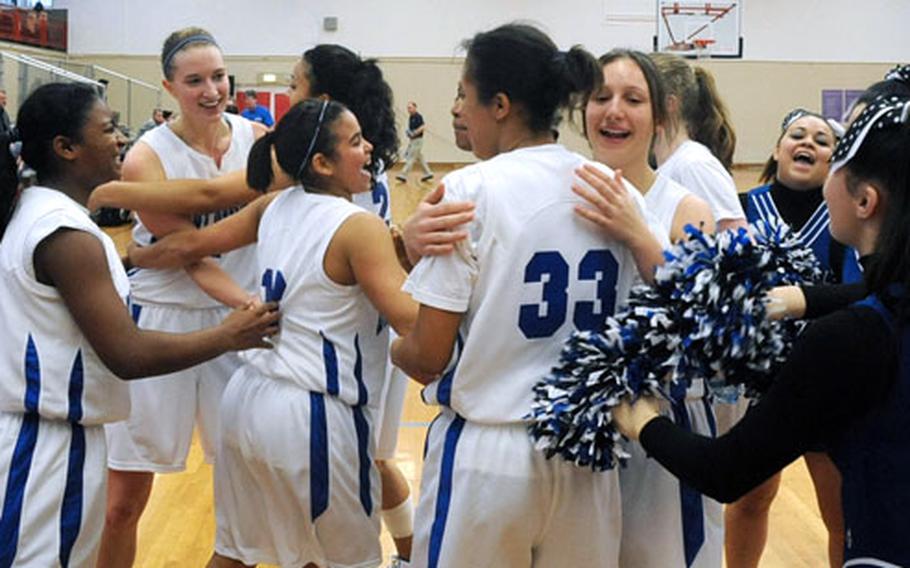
<point>255,111</point>
<point>157,118</point>
<point>416,128</point>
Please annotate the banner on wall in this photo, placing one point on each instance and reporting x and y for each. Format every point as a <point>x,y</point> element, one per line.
<point>38,28</point>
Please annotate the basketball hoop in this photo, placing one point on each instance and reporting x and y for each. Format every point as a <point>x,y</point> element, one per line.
<point>702,47</point>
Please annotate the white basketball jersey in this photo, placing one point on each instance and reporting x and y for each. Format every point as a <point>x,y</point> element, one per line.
<point>377,200</point>
<point>662,200</point>
<point>325,327</point>
<point>180,161</point>
<point>47,365</point>
<point>694,167</point>
<point>531,272</point>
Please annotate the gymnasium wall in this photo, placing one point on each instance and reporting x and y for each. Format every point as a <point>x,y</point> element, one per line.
<point>792,48</point>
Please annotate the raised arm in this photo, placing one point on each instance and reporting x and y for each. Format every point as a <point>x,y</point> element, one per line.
<point>185,247</point>
<point>615,212</point>
<point>364,241</point>
<point>182,196</point>
<point>74,262</point>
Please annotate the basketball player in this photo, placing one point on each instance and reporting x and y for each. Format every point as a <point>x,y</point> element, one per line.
<point>500,308</point>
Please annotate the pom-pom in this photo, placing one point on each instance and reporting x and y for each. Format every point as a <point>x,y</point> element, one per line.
<point>704,317</point>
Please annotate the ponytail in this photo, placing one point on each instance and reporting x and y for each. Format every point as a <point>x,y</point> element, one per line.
<point>709,121</point>
<point>9,179</point>
<point>521,62</point>
<point>582,75</point>
<point>338,72</point>
<point>259,174</point>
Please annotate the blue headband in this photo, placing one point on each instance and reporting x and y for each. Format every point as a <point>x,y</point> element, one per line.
<point>306,159</point>
<point>198,38</point>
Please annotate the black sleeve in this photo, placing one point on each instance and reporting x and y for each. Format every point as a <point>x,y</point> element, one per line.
<point>839,369</point>
<point>824,299</point>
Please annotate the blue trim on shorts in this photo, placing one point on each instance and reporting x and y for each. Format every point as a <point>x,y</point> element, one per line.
<point>71,509</point>
<point>363,453</point>
<point>444,392</point>
<point>444,494</point>
<point>135,311</point>
<point>21,460</point>
<point>691,506</point>
<point>362,394</point>
<point>319,456</point>
<point>330,359</point>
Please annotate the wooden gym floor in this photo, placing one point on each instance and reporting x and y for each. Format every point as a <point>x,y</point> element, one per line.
<point>178,527</point>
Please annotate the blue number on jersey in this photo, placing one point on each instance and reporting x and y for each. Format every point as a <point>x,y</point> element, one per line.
<point>600,266</point>
<point>381,198</point>
<point>274,284</point>
<point>550,268</point>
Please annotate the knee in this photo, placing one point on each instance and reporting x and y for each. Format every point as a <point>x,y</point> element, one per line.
<point>124,512</point>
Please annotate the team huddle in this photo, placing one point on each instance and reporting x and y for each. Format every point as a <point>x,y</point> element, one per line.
<point>280,312</point>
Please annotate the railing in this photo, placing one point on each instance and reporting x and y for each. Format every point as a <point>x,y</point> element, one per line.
<point>132,98</point>
<point>21,74</point>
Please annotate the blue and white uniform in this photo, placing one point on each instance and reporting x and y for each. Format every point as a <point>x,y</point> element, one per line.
<point>873,459</point>
<point>295,480</point>
<point>530,273</point>
<point>158,433</point>
<point>390,403</point>
<point>815,233</point>
<point>664,521</point>
<point>54,396</point>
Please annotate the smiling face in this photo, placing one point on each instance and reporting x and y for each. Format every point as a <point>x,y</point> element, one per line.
<point>350,160</point>
<point>619,119</point>
<point>804,152</point>
<point>100,147</point>
<point>200,82</point>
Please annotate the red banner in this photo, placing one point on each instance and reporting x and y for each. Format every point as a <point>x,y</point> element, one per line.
<point>39,28</point>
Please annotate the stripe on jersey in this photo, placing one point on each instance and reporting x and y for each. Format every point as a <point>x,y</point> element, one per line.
<point>136,311</point>
<point>444,392</point>
<point>319,456</point>
<point>362,395</point>
<point>21,462</point>
<point>363,440</point>
<point>71,509</point>
<point>691,506</point>
<point>330,359</point>
<point>444,494</point>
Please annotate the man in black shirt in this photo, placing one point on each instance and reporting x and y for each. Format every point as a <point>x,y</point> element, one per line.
<point>416,128</point>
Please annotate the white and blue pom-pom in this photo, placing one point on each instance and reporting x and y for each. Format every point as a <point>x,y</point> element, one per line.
<point>705,317</point>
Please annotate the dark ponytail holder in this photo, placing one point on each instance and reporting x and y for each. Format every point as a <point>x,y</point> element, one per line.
<point>559,58</point>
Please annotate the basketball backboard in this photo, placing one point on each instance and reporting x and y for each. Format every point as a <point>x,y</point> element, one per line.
<point>699,29</point>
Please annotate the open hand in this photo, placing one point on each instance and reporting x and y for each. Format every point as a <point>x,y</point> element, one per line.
<point>432,229</point>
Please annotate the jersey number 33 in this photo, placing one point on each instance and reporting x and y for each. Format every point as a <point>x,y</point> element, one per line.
<point>550,268</point>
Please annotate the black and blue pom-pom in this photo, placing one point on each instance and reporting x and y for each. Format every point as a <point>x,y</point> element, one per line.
<point>704,318</point>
